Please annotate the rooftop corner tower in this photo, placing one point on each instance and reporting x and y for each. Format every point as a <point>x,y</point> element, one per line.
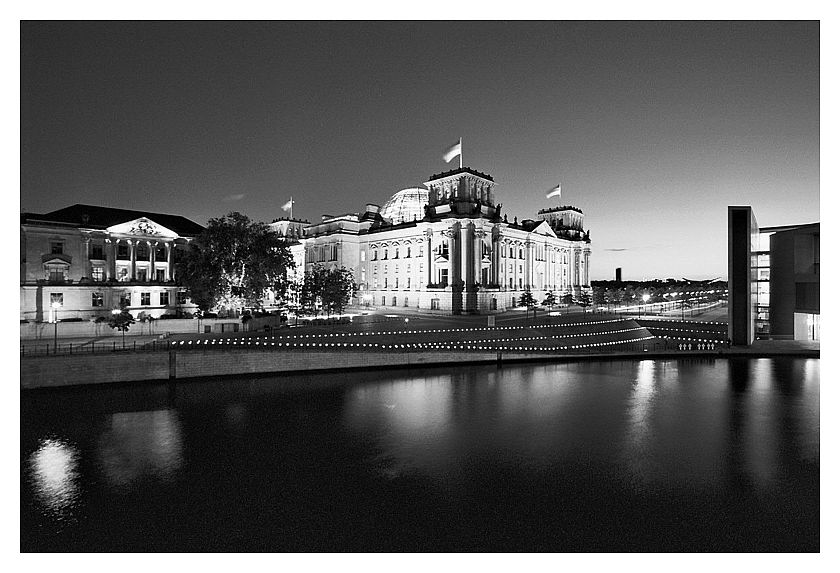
<point>462,192</point>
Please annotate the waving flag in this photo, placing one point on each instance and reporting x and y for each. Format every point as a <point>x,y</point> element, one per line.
<point>553,191</point>
<point>450,153</point>
<point>288,205</point>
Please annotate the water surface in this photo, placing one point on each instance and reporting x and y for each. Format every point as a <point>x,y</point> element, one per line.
<point>652,455</point>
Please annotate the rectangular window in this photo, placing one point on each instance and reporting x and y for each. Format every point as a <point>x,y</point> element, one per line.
<point>182,297</point>
<point>145,298</point>
<point>386,282</point>
<point>373,258</point>
<point>420,251</point>
<point>57,298</point>
<point>96,299</point>
<point>142,275</point>
<point>125,299</point>
<point>122,252</point>
<point>97,274</point>
<point>164,298</point>
<point>56,248</point>
<point>56,273</point>
<point>160,254</point>
<point>97,252</point>
<point>160,275</point>
<point>408,282</point>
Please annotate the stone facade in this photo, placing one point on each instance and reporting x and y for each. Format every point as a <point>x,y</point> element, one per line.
<point>460,256</point>
<point>81,261</point>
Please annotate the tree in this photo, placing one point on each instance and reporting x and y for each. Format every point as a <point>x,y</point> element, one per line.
<point>233,263</point>
<point>599,295</point>
<point>337,290</point>
<point>584,300</point>
<point>567,299</point>
<point>550,299</point>
<point>329,289</point>
<point>121,321</point>
<point>527,299</point>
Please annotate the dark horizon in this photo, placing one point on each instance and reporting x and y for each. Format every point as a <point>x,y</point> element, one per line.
<point>653,128</point>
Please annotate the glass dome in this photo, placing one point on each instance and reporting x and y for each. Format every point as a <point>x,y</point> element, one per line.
<point>406,205</point>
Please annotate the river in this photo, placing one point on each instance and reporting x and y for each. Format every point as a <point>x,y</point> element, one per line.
<point>631,455</point>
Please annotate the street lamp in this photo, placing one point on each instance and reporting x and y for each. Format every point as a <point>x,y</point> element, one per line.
<point>645,298</point>
<point>55,306</point>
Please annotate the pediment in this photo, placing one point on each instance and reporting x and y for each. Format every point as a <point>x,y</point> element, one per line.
<point>142,227</point>
<point>544,229</point>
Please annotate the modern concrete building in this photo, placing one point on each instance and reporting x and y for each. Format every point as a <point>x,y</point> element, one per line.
<point>83,260</point>
<point>773,279</point>
<point>447,247</point>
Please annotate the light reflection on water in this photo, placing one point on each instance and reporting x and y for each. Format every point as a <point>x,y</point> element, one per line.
<point>572,451</point>
<point>54,477</point>
<point>138,445</point>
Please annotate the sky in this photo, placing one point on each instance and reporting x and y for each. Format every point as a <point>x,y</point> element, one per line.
<point>652,128</point>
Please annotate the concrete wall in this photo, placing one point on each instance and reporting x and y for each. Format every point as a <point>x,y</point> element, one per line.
<point>53,371</point>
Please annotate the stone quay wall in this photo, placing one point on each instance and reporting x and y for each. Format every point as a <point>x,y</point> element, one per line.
<point>71,370</point>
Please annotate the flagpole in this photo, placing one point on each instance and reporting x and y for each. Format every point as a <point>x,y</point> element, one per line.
<point>461,155</point>
<point>291,207</point>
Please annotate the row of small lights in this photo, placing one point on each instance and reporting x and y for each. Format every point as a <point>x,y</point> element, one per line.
<point>258,338</point>
<point>470,345</point>
<point>684,330</point>
<point>691,339</point>
<point>564,335</point>
<point>441,330</point>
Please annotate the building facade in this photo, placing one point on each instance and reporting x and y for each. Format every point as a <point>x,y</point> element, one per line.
<point>83,261</point>
<point>448,247</point>
<point>774,280</point>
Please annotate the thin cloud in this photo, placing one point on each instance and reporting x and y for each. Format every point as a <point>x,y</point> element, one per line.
<point>615,250</point>
<point>236,197</point>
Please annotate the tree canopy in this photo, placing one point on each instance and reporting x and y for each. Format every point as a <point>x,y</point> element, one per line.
<point>332,288</point>
<point>234,262</point>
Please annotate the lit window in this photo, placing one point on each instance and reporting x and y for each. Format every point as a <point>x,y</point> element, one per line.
<point>97,274</point>
<point>145,298</point>
<point>96,299</point>
<point>363,255</point>
<point>57,298</point>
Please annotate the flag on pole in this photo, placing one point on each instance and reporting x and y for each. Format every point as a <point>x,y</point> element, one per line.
<point>288,205</point>
<point>553,191</point>
<point>450,153</point>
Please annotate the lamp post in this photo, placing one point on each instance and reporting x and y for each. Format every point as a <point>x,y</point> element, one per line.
<point>54,307</point>
<point>645,298</point>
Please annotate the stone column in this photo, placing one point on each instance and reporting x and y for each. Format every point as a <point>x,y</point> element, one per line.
<point>88,270</point>
<point>586,268</point>
<point>478,253</point>
<point>169,267</point>
<point>494,259</point>
<point>452,235</point>
<point>528,264</point>
<point>466,247</point>
<point>112,259</point>
<point>133,248</point>
<point>152,256</point>
<point>428,256</point>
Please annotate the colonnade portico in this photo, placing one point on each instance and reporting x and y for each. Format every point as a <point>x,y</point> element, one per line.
<point>166,263</point>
